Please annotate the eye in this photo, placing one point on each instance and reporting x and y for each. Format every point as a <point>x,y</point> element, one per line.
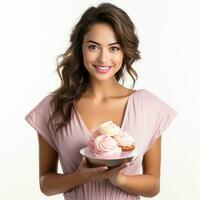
<point>115,48</point>
<point>93,47</point>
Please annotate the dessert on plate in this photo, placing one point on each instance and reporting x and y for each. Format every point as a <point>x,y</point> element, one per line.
<point>109,141</point>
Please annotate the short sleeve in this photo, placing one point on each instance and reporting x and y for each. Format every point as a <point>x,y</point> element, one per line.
<point>158,116</point>
<point>38,119</point>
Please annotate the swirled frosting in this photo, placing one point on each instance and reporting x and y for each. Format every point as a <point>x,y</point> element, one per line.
<point>109,128</point>
<point>106,147</point>
<point>108,141</point>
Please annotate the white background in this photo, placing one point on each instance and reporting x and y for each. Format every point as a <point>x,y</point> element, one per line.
<point>34,32</point>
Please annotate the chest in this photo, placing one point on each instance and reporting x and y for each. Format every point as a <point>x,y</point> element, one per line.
<point>94,114</point>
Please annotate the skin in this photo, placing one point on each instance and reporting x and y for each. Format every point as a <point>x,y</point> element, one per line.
<point>103,90</point>
<point>102,86</point>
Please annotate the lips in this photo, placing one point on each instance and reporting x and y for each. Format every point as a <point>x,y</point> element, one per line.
<point>102,68</point>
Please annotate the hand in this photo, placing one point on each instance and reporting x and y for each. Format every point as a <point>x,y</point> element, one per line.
<point>88,173</point>
<point>117,178</point>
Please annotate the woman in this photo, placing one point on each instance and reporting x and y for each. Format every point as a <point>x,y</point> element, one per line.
<point>103,47</point>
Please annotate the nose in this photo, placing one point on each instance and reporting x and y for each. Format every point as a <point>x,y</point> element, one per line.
<point>103,56</point>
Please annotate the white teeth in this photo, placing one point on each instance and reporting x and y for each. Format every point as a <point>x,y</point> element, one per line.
<point>104,68</point>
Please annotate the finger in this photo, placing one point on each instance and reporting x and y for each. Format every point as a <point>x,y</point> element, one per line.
<point>122,166</point>
<point>83,161</point>
<point>94,170</point>
<point>99,169</point>
<point>119,168</point>
<point>126,164</point>
<point>132,162</point>
<point>105,174</point>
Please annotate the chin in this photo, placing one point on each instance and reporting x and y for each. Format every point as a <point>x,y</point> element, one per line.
<point>102,78</point>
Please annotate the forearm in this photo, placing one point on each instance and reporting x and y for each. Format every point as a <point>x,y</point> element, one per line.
<point>54,183</point>
<point>142,185</point>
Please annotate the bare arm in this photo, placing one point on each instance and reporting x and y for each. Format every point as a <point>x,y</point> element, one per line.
<point>147,184</point>
<point>50,181</point>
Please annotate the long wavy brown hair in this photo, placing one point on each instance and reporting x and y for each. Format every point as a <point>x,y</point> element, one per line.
<point>74,77</point>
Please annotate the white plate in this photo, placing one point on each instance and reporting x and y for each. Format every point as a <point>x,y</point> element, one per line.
<point>124,157</point>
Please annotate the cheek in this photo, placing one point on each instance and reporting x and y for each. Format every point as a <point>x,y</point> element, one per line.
<point>118,59</point>
<point>88,57</point>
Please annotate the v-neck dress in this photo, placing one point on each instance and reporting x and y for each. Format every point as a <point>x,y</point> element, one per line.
<point>145,118</point>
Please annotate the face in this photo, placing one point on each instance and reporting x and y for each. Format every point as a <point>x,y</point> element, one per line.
<point>102,53</point>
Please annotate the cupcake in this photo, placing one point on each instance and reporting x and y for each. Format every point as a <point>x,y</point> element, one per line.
<point>106,147</point>
<point>125,141</point>
<point>109,128</point>
<point>109,141</point>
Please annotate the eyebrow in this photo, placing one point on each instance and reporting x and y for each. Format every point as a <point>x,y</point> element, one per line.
<point>99,43</point>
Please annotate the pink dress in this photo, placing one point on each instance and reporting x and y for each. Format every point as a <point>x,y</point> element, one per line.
<point>146,117</point>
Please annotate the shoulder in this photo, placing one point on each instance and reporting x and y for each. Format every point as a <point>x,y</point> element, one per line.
<point>43,107</point>
<point>151,102</point>
<point>156,105</point>
<point>149,96</point>
<point>146,93</point>
<point>46,99</point>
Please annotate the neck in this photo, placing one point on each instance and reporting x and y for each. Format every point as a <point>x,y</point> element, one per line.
<point>101,90</point>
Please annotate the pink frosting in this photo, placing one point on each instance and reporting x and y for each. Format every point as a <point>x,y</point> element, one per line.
<point>95,133</point>
<point>105,147</point>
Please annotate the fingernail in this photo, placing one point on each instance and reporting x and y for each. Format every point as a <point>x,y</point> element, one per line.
<point>125,165</point>
<point>104,168</point>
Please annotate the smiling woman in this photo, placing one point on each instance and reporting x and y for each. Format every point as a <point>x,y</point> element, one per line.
<point>103,47</point>
<point>101,52</point>
<point>93,49</point>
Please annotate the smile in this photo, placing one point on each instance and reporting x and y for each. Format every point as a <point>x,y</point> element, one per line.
<point>102,69</point>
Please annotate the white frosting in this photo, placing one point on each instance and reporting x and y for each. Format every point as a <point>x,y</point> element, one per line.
<point>109,128</point>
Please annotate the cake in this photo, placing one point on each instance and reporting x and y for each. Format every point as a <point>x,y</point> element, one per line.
<point>109,141</point>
